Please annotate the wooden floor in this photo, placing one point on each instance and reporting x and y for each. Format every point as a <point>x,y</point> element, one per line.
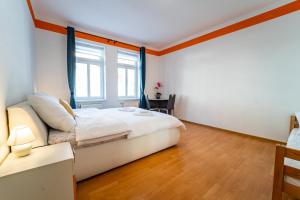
<point>206,164</point>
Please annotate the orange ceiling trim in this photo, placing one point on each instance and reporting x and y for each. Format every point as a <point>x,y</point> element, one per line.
<point>62,30</point>
<point>272,14</point>
<point>31,11</point>
<point>269,15</point>
<point>153,52</point>
<point>50,27</point>
<point>103,40</point>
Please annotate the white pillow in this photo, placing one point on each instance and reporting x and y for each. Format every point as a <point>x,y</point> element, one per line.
<point>52,112</point>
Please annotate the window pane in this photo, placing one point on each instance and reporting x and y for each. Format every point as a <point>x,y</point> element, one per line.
<point>87,56</point>
<point>95,81</point>
<point>127,58</point>
<point>89,51</point>
<point>131,82</point>
<point>121,82</point>
<point>126,62</point>
<point>81,80</point>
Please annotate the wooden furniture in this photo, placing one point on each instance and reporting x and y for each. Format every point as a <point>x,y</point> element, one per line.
<point>148,105</point>
<point>282,188</point>
<point>47,173</point>
<point>158,103</point>
<point>162,105</point>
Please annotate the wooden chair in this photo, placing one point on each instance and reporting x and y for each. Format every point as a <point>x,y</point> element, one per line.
<point>281,188</point>
<point>170,106</point>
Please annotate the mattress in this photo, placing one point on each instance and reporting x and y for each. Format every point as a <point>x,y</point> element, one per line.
<point>56,137</point>
<point>293,142</point>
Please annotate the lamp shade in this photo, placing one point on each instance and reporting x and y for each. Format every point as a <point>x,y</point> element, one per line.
<point>20,135</point>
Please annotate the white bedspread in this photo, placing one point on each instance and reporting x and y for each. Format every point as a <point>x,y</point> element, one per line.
<point>94,123</point>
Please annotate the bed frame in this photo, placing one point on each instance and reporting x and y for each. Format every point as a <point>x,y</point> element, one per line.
<point>281,188</point>
<point>96,159</point>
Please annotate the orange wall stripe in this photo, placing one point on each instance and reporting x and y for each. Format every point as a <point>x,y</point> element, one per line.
<point>60,29</point>
<point>103,40</point>
<point>269,15</point>
<point>272,14</point>
<point>31,11</point>
<point>50,27</point>
<point>152,52</point>
<point>93,38</point>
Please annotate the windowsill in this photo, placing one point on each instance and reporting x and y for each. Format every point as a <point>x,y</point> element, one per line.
<point>129,99</point>
<point>89,100</point>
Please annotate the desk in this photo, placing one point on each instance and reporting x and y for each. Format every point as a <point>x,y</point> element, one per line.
<point>158,103</point>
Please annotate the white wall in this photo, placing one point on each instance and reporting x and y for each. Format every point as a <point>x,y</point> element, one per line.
<point>16,60</point>
<point>51,70</point>
<point>246,81</point>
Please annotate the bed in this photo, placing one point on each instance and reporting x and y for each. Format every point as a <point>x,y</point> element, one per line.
<point>99,156</point>
<point>286,183</point>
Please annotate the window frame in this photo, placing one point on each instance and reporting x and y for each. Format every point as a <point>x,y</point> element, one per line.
<point>88,62</point>
<point>136,68</point>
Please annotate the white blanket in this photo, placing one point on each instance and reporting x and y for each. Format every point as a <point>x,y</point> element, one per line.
<point>94,123</point>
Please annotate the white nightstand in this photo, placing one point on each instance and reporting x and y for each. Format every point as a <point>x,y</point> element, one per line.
<point>45,174</point>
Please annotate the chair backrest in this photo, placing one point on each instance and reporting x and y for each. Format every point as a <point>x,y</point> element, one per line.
<point>147,103</point>
<point>171,102</point>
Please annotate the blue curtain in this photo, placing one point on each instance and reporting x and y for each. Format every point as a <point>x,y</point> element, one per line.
<point>143,77</point>
<point>71,64</point>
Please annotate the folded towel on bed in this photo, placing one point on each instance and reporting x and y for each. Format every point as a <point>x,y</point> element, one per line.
<point>143,113</point>
<point>127,109</point>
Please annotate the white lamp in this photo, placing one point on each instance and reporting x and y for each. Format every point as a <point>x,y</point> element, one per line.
<point>20,140</point>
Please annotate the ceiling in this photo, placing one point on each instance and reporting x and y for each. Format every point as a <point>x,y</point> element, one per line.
<point>155,24</point>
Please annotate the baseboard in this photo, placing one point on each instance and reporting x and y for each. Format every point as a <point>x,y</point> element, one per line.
<point>237,133</point>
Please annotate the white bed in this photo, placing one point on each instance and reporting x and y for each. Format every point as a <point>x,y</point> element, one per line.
<point>98,157</point>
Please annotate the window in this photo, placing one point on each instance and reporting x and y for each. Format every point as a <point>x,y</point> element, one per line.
<point>128,82</point>
<point>89,71</point>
